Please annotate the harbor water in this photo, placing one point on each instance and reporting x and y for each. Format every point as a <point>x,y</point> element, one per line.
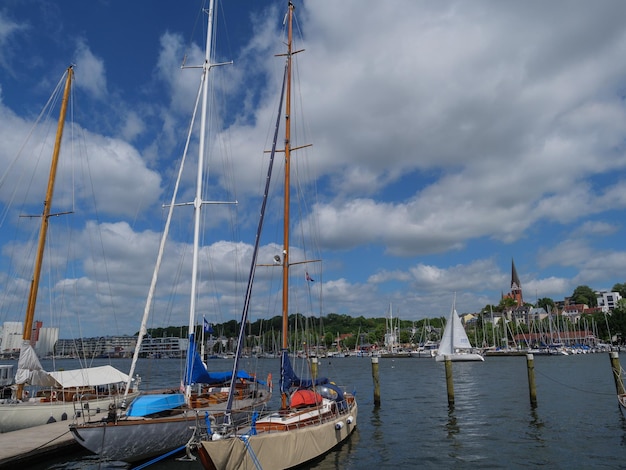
<point>577,422</point>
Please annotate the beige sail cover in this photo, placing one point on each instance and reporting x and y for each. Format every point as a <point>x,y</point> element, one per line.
<point>280,449</point>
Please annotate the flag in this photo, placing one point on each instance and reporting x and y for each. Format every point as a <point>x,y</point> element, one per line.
<point>307,277</point>
<point>208,328</point>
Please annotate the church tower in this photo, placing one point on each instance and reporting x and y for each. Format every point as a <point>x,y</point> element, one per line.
<point>516,286</point>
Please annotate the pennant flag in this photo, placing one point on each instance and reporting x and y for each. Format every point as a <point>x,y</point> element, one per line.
<point>307,277</point>
<point>208,328</point>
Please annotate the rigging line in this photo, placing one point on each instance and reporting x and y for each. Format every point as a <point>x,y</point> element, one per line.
<point>570,386</point>
<point>45,111</point>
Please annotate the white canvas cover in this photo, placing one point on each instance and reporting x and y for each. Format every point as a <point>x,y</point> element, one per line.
<point>29,369</point>
<point>92,376</point>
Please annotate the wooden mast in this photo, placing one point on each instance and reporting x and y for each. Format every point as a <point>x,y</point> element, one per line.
<point>34,284</point>
<point>285,303</point>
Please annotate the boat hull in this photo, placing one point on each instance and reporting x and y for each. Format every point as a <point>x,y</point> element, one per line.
<point>460,357</point>
<point>136,439</point>
<point>131,440</point>
<point>21,415</point>
<point>279,449</point>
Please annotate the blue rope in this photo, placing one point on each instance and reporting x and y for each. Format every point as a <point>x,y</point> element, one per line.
<point>254,458</point>
<point>159,458</point>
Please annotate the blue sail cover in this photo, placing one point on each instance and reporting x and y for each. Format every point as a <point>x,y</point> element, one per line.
<point>197,374</point>
<point>288,377</point>
<point>145,405</point>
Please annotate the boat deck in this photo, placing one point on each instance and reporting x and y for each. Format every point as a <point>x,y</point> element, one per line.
<point>33,444</point>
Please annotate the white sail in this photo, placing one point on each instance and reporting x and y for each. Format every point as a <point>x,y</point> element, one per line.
<point>455,344</point>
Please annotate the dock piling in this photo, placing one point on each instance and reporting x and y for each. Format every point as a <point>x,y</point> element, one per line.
<point>617,372</point>
<point>532,389</point>
<point>376,380</point>
<point>449,381</point>
<point>314,366</point>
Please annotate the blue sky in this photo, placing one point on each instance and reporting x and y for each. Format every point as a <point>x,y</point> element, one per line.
<point>448,138</point>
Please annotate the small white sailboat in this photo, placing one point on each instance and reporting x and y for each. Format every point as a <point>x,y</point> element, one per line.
<point>39,397</point>
<point>156,424</point>
<point>455,344</point>
<point>315,414</point>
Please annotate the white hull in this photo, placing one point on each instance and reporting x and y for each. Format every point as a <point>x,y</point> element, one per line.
<point>426,353</point>
<point>26,414</point>
<point>460,357</point>
<point>280,449</point>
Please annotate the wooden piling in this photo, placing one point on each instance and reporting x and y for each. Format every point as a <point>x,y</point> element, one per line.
<point>376,381</point>
<point>314,365</point>
<point>532,390</point>
<point>617,373</point>
<point>449,381</point>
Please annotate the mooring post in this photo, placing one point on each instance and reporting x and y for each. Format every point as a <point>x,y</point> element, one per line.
<point>376,381</point>
<point>449,381</point>
<point>314,368</point>
<point>532,390</point>
<point>617,372</point>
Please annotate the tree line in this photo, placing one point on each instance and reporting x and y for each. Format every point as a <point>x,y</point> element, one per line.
<point>326,329</point>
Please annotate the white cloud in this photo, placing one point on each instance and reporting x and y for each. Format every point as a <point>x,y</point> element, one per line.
<point>92,72</point>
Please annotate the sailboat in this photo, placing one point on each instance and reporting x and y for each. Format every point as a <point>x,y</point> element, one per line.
<point>392,339</point>
<point>315,415</point>
<point>455,344</point>
<point>39,397</point>
<point>157,424</point>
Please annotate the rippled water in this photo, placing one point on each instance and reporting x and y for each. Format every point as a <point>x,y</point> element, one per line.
<point>577,422</point>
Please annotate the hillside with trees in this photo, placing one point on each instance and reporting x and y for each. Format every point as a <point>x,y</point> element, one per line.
<point>368,331</point>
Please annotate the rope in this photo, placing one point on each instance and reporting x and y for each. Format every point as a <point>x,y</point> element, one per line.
<point>572,387</point>
<point>51,441</point>
<point>253,456</point>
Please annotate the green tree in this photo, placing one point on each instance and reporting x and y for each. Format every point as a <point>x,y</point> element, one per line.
<point>546,303</point>
<point>584,295</point>
<point>621,288</point>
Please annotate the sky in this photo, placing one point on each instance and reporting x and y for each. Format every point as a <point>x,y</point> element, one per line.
<point>449,138</point>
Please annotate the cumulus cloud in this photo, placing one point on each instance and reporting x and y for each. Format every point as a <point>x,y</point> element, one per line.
<point>92,72</point>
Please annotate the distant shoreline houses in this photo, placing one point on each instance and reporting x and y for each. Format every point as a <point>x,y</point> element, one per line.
<point>47,343</point>
<point>523,314</point>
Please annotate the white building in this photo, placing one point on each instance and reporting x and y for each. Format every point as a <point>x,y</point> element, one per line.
<point>11,337</point>
<point>607,300</point>
<point>47,339</point>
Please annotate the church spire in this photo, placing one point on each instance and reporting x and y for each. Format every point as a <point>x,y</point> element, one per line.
<point>516,285</point>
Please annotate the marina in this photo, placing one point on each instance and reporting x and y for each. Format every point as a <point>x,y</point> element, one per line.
<point>577,422</point>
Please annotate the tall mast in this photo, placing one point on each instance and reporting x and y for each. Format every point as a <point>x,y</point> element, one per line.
<point>197,203</point>
<point>34,283</point>
<point>287,180</point>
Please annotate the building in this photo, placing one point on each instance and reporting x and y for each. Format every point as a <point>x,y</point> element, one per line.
<point>101,346</point>
<point>516,287</point>
<point>11,337</point>
<point>165,347</point>
<point>47,338</point>
<point>607,301</point>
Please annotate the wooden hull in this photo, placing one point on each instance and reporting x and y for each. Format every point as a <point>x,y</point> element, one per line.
<point>282,441</point>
